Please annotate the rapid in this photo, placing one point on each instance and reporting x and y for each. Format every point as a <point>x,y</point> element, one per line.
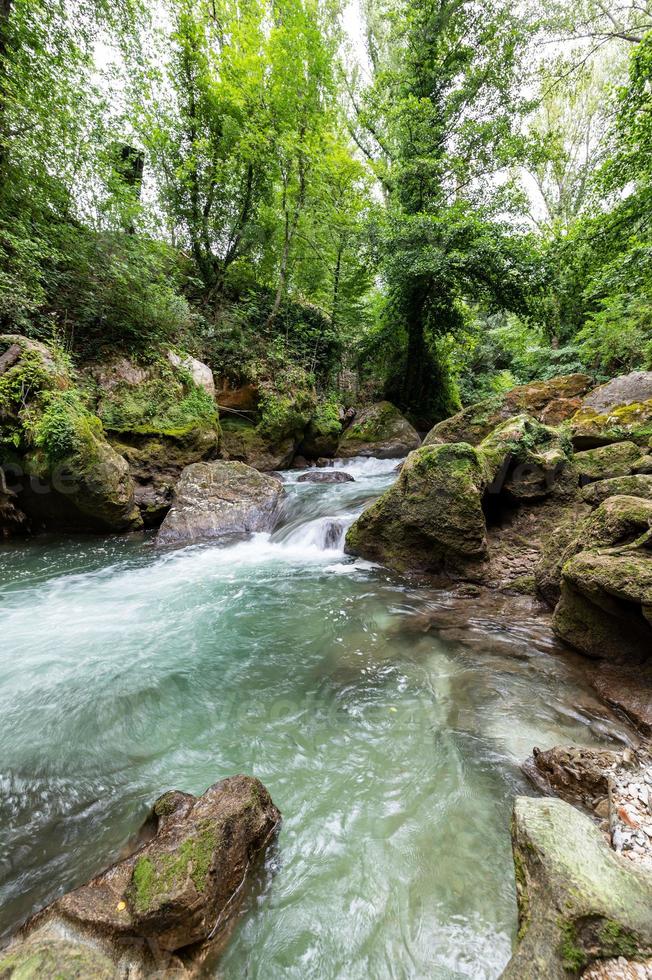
<point>391,748</point>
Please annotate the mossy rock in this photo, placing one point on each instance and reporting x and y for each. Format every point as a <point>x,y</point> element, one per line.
<point>578,901</point>
<point>618,521</point>
<point>605,608</point>
<point>636,485</point>
<point>590,427</point>
<point>243,442</point>
<point>607,462</point>
<point>378,430</point>
<point>475,422</point>
<point>54,959</point>
<point>525,458</point>
<point>323,433</point>
<point>431,519</point>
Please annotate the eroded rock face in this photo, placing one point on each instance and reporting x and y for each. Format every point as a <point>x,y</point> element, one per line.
<point>171,901</point>
<point>218,500</point>
<point>525,458</point>
<point>378,430</point>
<point>574,773</point>
<point>590,427</point>
<point>636,485</point>
<point>579,902</point>
<point>431,519</point>
<point>244,443</point>
<point>475,422</point>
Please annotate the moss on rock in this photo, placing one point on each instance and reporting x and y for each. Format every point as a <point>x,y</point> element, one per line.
<point>378,430</point>
<point>431,519</point>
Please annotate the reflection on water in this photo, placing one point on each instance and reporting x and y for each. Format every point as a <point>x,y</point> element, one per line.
<point>388,731</point>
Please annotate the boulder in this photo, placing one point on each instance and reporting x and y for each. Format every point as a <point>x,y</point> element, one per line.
<point>244,443</point>
<point>378,430</point>
<point>624,390</point>
<point>475,422</point>
<point>619,520</point>
<point>220,500</point>
<point>200,373</point>
<point>578,901</point>
<point>65,473</point>
<point>589,427</point>
<point>606,462</point>
<point>605,608</point>
<point>431,519</point>
<point>629,689</point>
<point>172,900</point>
<point>637,485</point>
<point>326,476</point>
<point>525,458</point>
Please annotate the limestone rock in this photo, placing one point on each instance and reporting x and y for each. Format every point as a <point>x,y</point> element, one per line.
<point>607,462</point>
<point>201,373</point>
<point>576,774</point>
<point>605,609</point>
<point>589,427</point>
<point>378,430</point>
<point>219,500</point>
<point>624,390</point>
<point>579,902</point>
<point>475,422</point>
<point>629,689</point>
<point>172,900</point>
<point>55,958</point>
<point>431,519</point>
<point>242,442</point>
<point>636,485</point>
<point>525,458</point>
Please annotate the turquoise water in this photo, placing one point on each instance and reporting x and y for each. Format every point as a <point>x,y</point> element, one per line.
<point>393,753</point>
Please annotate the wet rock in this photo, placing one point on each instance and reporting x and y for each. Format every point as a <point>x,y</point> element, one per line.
<point>606,462</point>
<point>219,500</point>
<point>578,901</point>
<point>475,422</point>
<point>431,519</point>
<point>630,690</point>
<point>326,476</point>
<point>173,900</point>
<point>619,969</point>
<point>378,430</point>
<point>55,958</point>
<point>637,485</point>
<point>576,774</point>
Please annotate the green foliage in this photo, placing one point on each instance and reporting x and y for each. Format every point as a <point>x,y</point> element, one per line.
<point>168,403</point>
<point>64,426</point>
<point>286,406</point>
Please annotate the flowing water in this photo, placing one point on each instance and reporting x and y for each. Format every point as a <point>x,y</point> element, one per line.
<point>392,750</point>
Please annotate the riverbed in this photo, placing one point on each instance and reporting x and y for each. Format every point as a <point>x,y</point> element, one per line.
<point>392,748</point>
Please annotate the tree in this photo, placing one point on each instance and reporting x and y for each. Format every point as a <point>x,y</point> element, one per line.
<point>440,122</point>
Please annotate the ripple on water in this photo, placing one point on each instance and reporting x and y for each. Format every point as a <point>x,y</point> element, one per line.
<point>392,748</point>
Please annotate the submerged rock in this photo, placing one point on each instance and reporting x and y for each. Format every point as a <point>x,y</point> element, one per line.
<point>326,476</point>
<point>220,500</point>
<point>578,901</point>
<point>59,959</point>
<point>431,519</point>
<point>378,430</point>
<point>475,422</point>
<point>168,904</point>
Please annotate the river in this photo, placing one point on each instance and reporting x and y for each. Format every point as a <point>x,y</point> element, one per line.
<point>393,752</point>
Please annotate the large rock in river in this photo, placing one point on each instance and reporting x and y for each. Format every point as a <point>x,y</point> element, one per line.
<point>220,500</point>
<point>579,902</point>
<point>378,430</point>
<point>431,519</point>
<point>169,903</point>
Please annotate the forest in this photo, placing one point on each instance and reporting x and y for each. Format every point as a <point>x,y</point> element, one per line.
<point>447,198</point>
